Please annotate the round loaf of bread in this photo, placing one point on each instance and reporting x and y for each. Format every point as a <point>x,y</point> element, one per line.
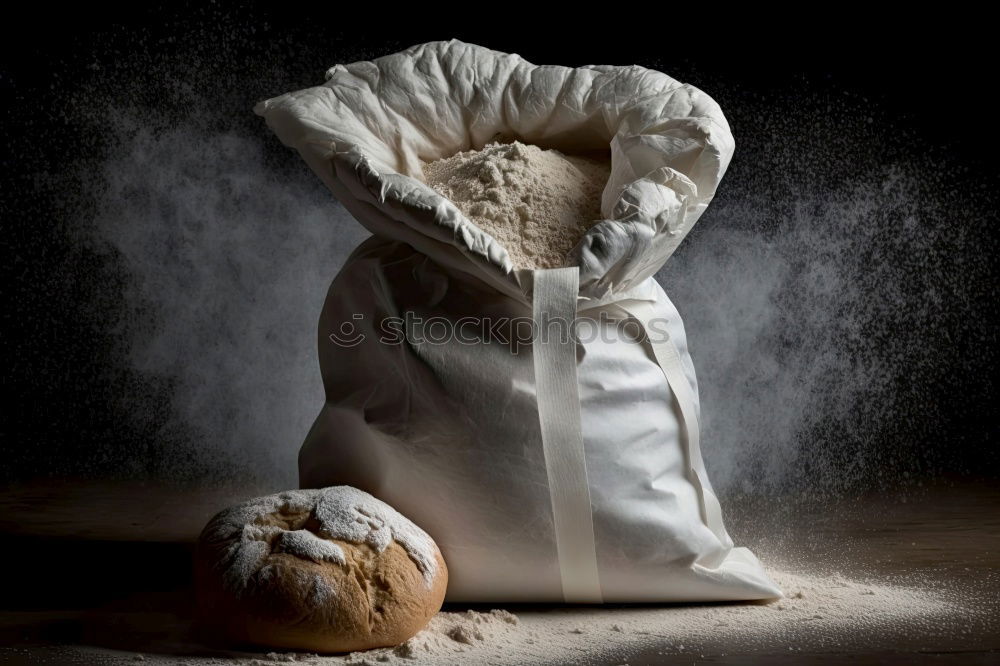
<point>329,570</point>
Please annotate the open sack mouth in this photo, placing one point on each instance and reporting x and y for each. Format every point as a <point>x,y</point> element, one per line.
<point>371,128</point>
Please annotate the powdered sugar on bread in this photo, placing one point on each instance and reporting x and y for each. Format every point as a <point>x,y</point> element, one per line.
<point>349,514</point>
<point>307,523</point>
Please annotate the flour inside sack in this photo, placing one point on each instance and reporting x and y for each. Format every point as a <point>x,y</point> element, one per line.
<point>537,203</point>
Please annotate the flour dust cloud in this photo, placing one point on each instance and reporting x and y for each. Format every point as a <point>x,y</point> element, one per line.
<point>230,261</point>
<point>832,292</point>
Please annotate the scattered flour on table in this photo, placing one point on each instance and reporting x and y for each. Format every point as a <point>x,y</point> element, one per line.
<point>816,609</point>
<point>818,613</point>
<point>536,203</point>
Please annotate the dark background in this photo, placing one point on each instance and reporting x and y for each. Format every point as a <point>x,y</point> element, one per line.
<point>832,108</point>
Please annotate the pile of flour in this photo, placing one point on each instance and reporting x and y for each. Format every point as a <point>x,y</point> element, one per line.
<point>447,638</point>
<point>536,203</point>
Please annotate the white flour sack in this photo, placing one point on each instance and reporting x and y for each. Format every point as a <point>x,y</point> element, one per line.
<point>541,424</point>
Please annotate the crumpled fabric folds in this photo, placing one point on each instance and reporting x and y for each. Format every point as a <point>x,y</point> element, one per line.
<point>432,403</point>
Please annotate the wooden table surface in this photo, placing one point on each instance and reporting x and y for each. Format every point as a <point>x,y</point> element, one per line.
<point>100,573</point>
